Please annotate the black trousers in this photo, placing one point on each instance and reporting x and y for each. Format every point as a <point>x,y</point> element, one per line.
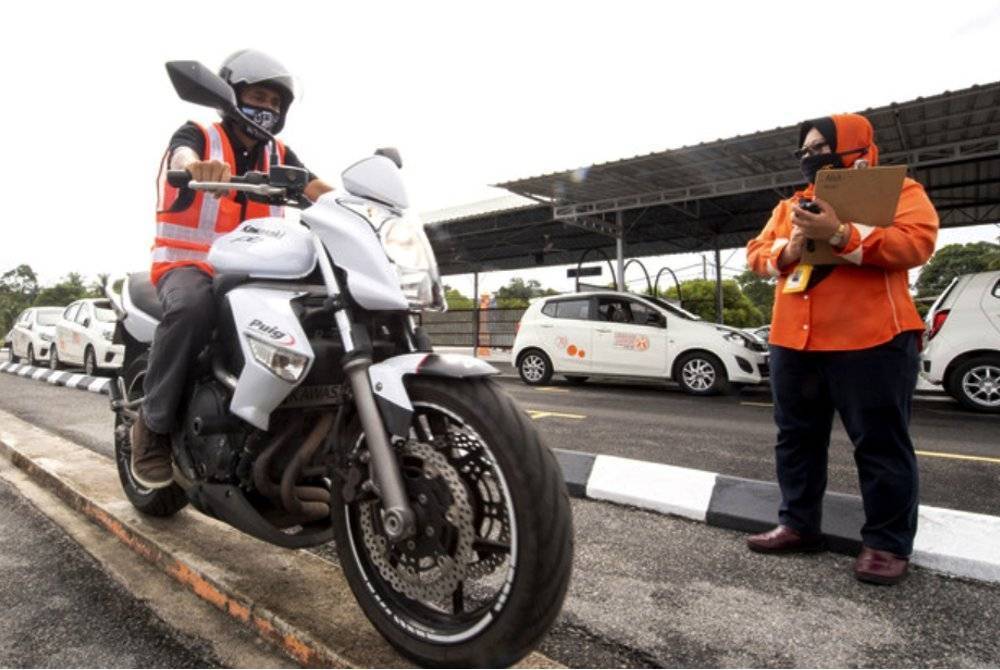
<point>872,390</point>
<point>187,325</point>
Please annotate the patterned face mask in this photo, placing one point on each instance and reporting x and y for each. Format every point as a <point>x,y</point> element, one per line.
<point>263,117</point>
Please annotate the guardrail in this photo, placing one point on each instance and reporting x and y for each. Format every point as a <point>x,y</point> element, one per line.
<point>492,327</point>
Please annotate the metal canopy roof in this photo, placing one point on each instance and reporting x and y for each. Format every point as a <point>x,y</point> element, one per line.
<point>719,194</point>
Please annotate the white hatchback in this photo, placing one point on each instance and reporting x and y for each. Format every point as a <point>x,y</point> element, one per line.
<point>83,337</point>
<point>613,334</point>
<point>963,341</point>
<point>32,334</point>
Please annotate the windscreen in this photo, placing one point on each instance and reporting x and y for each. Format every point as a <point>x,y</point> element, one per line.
<point>49,318</point>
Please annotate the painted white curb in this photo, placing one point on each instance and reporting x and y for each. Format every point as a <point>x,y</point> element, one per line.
<point>654,486</point>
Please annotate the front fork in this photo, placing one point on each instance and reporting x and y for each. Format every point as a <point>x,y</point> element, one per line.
<point>398,518</point>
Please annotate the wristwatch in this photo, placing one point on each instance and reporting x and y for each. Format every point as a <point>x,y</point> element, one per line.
<point>837,239</point>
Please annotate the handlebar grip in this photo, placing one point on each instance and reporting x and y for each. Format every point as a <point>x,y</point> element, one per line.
<point>178,178</point>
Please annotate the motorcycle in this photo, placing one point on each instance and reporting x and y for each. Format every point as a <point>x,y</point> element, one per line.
<point>320,412</point>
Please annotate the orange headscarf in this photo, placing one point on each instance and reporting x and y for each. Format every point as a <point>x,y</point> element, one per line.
<point>854,132</point>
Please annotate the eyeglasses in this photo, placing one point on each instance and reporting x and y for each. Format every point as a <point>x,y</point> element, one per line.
<point>814,149</point>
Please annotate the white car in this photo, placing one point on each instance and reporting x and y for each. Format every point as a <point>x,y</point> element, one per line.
<point>83,337</point>
<point>609,333</point>
<point>32,334</point>
<point>963,341</point>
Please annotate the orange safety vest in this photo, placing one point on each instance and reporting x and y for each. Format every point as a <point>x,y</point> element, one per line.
<point>184,237</point>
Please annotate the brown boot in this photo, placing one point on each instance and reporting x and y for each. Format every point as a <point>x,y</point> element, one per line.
<point>151,464</point>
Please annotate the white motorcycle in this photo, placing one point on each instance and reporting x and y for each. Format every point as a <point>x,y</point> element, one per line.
<point>320,412</point>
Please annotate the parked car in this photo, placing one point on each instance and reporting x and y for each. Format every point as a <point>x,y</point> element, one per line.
<point>32,334</point>
<point>611,333</point>
<point>83,337</point>
<point>963,341</point>
<point>762,333</point>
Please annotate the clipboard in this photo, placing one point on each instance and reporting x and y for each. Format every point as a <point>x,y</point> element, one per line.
<point>866,195</point>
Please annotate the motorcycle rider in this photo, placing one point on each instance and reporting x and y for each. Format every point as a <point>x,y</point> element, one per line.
<point>187,224</point>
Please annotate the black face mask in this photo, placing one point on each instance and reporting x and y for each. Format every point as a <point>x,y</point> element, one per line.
<point>267,119</point>
<point>813,164</point>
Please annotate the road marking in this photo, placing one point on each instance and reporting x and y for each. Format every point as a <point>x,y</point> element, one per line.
<point>959,457</point>
<point>542,414</point>
<point>758,404</point>
<point>551,389</point>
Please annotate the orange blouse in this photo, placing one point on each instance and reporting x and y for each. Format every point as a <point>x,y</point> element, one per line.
<point>861,304</point>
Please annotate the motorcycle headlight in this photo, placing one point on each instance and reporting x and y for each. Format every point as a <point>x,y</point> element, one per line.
<point>284,363</point>
<point>407,246</point>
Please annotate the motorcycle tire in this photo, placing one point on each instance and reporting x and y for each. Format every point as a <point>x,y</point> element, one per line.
<point>532,589</point>
<point>154,502</point>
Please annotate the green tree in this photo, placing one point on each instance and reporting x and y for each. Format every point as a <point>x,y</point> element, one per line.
<point>456,300</point>
<point>72,287</point>
<point>18,288</point>
<point>699,297</point>
<point>760,290</point>
<point>96,287</point>
<point>517,293</point>
<point>954,260</point>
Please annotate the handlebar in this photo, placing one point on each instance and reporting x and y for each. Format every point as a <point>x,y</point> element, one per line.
<point>252,182</point>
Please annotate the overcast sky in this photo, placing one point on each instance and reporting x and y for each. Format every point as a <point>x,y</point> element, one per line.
<point>472,94</point>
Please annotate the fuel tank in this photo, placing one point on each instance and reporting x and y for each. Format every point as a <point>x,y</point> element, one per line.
<point>267,248</point>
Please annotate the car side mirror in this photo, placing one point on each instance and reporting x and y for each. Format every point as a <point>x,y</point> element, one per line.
<point>653,319</point>
<point>196,84</point>
<point>86,322</point>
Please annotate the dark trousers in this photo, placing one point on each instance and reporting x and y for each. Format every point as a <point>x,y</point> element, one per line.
<point>187,325</point>
<point>872,390</point>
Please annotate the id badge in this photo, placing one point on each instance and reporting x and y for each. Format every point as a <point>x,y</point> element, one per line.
<point>799,279</point>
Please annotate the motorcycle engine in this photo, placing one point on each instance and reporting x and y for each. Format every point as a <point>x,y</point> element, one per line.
<point>215,454</point>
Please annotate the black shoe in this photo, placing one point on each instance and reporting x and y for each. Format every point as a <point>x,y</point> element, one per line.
<point>151,466</point>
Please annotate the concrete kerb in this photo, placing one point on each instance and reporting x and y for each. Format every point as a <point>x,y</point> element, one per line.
<point>962,544</point>
<point>58,377</point>
<point>293,599</point>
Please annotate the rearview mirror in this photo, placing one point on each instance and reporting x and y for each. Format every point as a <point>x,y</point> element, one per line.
<point>392,153</point>
<point>197,84</point>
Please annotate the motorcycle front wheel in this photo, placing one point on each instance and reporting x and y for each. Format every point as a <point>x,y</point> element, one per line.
<point>485,574</point>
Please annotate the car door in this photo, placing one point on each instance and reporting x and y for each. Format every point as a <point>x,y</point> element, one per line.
<point>568,335</point>
<point>19,338</point>
<point>630,338</point>
<point>65,332</point>
<point>81,331</point>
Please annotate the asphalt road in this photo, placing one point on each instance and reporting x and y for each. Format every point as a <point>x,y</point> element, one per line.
<point>652,591</point>
<point>958,451</point>
<point>60,609</point>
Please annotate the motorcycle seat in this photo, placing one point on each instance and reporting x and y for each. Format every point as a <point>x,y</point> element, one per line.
<point>142,293</point>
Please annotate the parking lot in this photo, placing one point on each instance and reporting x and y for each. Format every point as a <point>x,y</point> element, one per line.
<point>652,590</point>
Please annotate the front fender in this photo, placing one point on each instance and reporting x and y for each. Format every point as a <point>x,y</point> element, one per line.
<point>390,391</point>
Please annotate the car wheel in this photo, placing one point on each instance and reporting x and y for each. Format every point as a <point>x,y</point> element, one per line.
<point>576,379</point>
<point>535,368</point>
<point>89,362</point>
<point>976,384</point>
<point>701,373</point>
<point>53,358</point>
<point>31,356</point>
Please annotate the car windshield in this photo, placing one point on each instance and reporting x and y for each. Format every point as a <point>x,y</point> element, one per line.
<point>49,318</point>
<point>105,315</point>
<point>673,309</point>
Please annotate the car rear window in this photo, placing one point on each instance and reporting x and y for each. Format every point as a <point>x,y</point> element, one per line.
<point>572,309</point>
<point>48,318</point>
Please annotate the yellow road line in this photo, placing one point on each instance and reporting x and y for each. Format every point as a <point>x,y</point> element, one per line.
<point>541,414</point>
<point>551,389</point>
<point>958,457</point>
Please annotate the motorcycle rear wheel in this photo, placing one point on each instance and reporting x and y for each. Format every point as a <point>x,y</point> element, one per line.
<point>520,518</point>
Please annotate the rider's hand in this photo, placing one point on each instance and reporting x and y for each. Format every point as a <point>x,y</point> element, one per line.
<point>209,171</point>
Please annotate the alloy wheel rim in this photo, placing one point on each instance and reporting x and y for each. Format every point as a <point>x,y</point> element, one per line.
<point>698,374</point>
<point>533,368</point>
<point>981,385</point>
